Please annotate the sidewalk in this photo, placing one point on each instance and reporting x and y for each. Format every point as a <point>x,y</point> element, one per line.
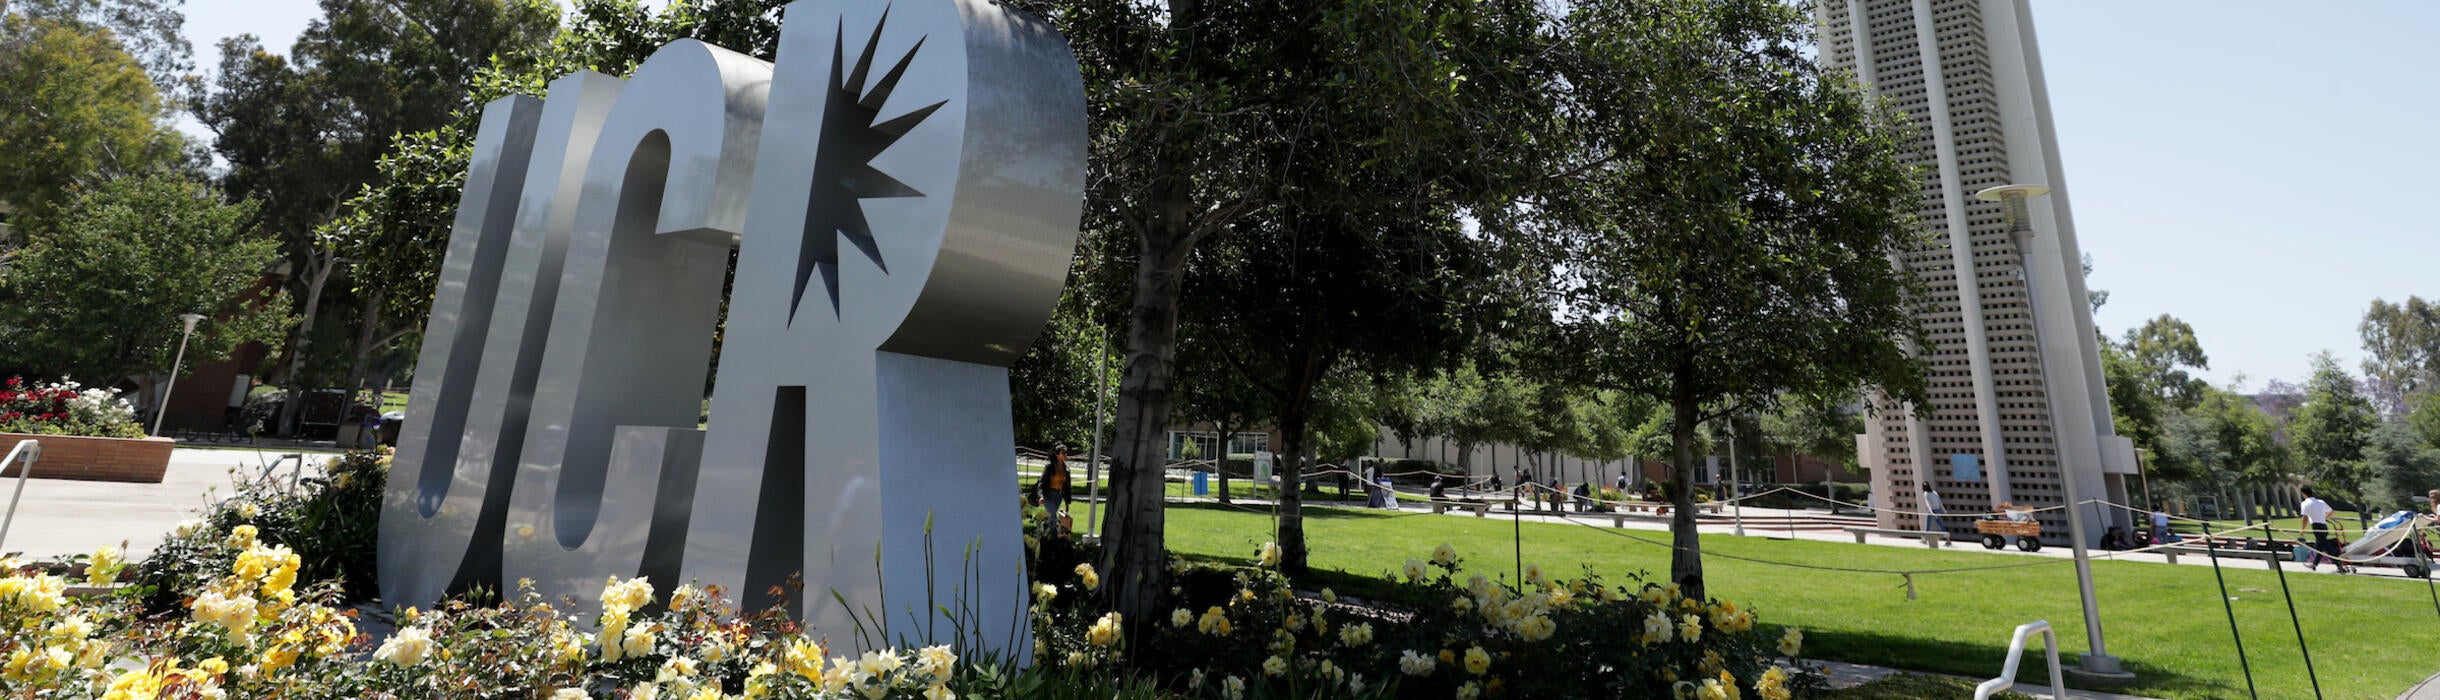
<point>1843,675</point>
<point>59,517</point>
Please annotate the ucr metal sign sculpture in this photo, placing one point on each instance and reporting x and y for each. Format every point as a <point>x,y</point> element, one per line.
<point>902,189</point>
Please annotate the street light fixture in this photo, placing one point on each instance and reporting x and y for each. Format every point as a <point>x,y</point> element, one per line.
<point>190,320</point>
<point>2098,663</point>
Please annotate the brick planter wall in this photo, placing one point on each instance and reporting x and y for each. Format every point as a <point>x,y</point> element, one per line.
<point>93,458</point>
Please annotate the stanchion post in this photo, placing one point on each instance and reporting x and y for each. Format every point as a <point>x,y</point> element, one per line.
<point>2301,647</point>
<point>2213,550</point>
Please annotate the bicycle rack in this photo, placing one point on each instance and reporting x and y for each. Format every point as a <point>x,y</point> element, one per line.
<point>2016,653</point>
<point>30,450</point>
<point>296,475</point>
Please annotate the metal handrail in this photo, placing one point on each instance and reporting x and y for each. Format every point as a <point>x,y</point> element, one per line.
<point>30,450</point>
<point>2016,653</point>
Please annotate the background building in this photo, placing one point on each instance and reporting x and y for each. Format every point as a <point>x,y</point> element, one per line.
<point>1968,74</point>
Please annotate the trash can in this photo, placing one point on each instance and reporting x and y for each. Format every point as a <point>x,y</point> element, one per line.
<point>1203,484</point>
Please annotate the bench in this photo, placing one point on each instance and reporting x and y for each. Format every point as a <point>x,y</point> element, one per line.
<point>1482,509</point>
<point>1931,538</point>
<point>2173,551</point>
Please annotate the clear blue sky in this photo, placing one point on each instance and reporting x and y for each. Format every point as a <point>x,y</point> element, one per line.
<point>2260,169</point>
<point>2251,166</point>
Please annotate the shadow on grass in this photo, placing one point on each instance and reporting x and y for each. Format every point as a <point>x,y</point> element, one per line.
<point>1984,660</point>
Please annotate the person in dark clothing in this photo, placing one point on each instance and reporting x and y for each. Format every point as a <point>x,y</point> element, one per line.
<point>1584,497</point>
<point>1440,490</point>
<point>1055,480</point>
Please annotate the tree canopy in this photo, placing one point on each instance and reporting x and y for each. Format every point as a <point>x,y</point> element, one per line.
<point>1738,242</point>
<point>98,294</point>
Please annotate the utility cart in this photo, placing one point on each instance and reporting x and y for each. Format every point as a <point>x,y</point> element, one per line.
<point>2007,522</point>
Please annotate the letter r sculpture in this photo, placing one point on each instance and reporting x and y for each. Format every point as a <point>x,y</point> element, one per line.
<point>902,190</point>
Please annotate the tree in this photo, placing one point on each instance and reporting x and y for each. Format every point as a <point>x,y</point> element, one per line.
<point>99,292</point>
<point>305,134</point>
<point>2398,466</point>
<point>2138,411</point>
<point>1210,391</point>
<point>78,111</point>
<point>1739,245</point>
<point>2423,416</point>
<point>2161,347</point>
<point>2332,428</point>
<point>2230,441</point>
<point>2401,348</point>
<point>149,31</point>
<point>1195,110</point>
<point>1052,387</point>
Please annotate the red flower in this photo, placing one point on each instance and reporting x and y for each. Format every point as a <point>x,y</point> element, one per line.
<point>15,382</point>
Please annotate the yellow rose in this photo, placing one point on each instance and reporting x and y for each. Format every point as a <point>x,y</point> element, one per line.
<point>1478,662</point>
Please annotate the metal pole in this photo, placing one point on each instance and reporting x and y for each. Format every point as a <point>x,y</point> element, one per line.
<point>2020,228</point>
<point>174,366</point>
<point>1733,480</point>
<point>1092,458</point>
<point>32,450</point>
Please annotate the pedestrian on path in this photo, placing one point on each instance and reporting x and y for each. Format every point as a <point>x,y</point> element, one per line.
<point>1931,508</point>
<point>2316,514</point>
<point>2160,527</point>
<point>1055,480</point>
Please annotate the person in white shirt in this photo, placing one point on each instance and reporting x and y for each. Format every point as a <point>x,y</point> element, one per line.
<point>2160,527</point>
<point>2317,518</point>
<point>1931,509</point>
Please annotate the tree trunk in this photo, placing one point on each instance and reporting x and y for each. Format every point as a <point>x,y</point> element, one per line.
<point>1291,534</point>
<point>1686,563</point>
<point>1135,558</point>
<point>1220,466</point>
<point>321,267</point>
<point>368,338</point>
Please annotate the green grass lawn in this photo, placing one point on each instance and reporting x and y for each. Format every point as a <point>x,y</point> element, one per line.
<point>2371,638</point>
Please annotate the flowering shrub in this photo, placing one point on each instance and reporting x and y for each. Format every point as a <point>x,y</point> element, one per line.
<point>65,408</point>
<point>247,614</point>
<point>331,521</point>
<point>1244,633</point>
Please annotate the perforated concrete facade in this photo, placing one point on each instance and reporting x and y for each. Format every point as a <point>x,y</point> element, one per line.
<point>1968,76</point>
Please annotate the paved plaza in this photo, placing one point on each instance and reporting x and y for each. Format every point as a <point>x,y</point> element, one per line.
<point>56,517</point>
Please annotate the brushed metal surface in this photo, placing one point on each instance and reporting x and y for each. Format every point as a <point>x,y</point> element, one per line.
<point>432,511</point>
<point>904,216</point>
<point>967,248</point>
<point>638,299</point>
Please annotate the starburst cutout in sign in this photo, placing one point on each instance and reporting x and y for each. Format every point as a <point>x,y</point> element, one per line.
<point>843,172</point>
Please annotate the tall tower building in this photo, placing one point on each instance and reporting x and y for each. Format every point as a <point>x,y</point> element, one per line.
<point>1968,75</point>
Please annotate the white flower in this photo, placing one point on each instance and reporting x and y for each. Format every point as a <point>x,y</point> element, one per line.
<point>406,648</point>
<point>1234,686</point>
<point>1274,666</point>
<point>1691,630</point>
<point>1791,642</point>
<point>1181,618</point>
<point>1444,554</point>
<point>1656,628</point>
<point>569,694</point>
<point>1195,681</point>
<point>1270,554</point>
<point>187,528</point>
<point>1468,691</point>
<point>1329,596</point>
<point>1356,635</point>
<point>1413,664</point>
<point>1414,570</point>
<point>248,510</point>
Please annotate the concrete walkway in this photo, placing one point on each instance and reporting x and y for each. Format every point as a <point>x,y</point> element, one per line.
<point>1844,675</point>
<point>2429,689</point>
<point>57,517</point>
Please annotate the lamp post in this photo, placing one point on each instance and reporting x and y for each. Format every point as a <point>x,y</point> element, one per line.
<point>2098,663</point>
<point>174,365</point>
